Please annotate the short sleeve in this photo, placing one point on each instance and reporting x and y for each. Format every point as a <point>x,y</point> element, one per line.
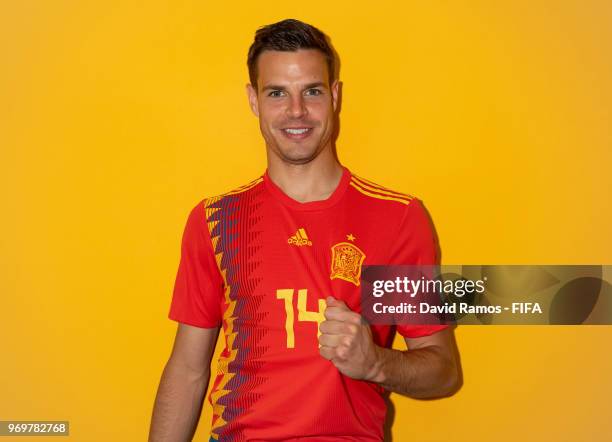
<point>198,288</point>
<point>415,244</point>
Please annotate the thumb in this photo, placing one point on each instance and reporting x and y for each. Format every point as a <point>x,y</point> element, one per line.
<point>333,302</point>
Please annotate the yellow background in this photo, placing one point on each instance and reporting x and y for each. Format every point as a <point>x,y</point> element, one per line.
<point>117,117</point>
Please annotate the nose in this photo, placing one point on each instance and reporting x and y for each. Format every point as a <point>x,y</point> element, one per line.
<point>297,107</point>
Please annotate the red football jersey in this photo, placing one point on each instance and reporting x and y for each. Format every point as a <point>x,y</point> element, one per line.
<point>260,264</point>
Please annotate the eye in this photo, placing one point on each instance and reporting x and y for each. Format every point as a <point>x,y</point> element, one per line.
<point>276,93</point>
<point>314,92</point>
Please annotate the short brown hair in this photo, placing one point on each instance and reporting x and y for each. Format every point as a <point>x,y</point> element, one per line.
<point>289,35</point>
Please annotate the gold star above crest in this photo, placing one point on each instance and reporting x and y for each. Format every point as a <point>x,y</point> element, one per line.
<point>350,237</point>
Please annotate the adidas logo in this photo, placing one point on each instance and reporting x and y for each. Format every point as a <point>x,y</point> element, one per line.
<point>300,238</point>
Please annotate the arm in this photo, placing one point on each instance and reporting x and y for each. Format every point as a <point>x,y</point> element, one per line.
<point>428,369</point>
<point>183,385</point>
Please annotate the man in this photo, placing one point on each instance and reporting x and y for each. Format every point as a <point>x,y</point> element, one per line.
<point>276,263</point>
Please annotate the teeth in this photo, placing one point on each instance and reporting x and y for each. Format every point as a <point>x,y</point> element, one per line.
<point>296,131</point>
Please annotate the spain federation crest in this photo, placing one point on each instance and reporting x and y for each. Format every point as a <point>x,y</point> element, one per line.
<point>346,262</point>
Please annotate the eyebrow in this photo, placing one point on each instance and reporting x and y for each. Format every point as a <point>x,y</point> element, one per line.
<point>282,88</point>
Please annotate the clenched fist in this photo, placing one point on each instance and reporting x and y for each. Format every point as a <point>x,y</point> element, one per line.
<point>346,340</point>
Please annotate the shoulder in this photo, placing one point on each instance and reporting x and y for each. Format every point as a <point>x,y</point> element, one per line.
<point>236,192</point>
<point>207,206</point>
<point>383,206</point>
<point>374,192</point>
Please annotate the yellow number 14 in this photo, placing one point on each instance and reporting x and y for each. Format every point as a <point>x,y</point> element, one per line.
<point>303,314</point>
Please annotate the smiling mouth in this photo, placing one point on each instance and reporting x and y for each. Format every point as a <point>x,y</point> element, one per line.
<point>296,133</point>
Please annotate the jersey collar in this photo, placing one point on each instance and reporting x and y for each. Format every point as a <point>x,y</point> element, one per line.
<point>336,195</point>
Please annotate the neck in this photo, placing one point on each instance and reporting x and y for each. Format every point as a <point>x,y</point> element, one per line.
<point>313,181</point>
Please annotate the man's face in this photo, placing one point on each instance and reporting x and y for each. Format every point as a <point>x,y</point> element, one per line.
<point>295,103</point>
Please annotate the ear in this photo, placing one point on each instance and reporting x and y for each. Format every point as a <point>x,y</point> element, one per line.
<point>334,91</point>
<point>252,96</point>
